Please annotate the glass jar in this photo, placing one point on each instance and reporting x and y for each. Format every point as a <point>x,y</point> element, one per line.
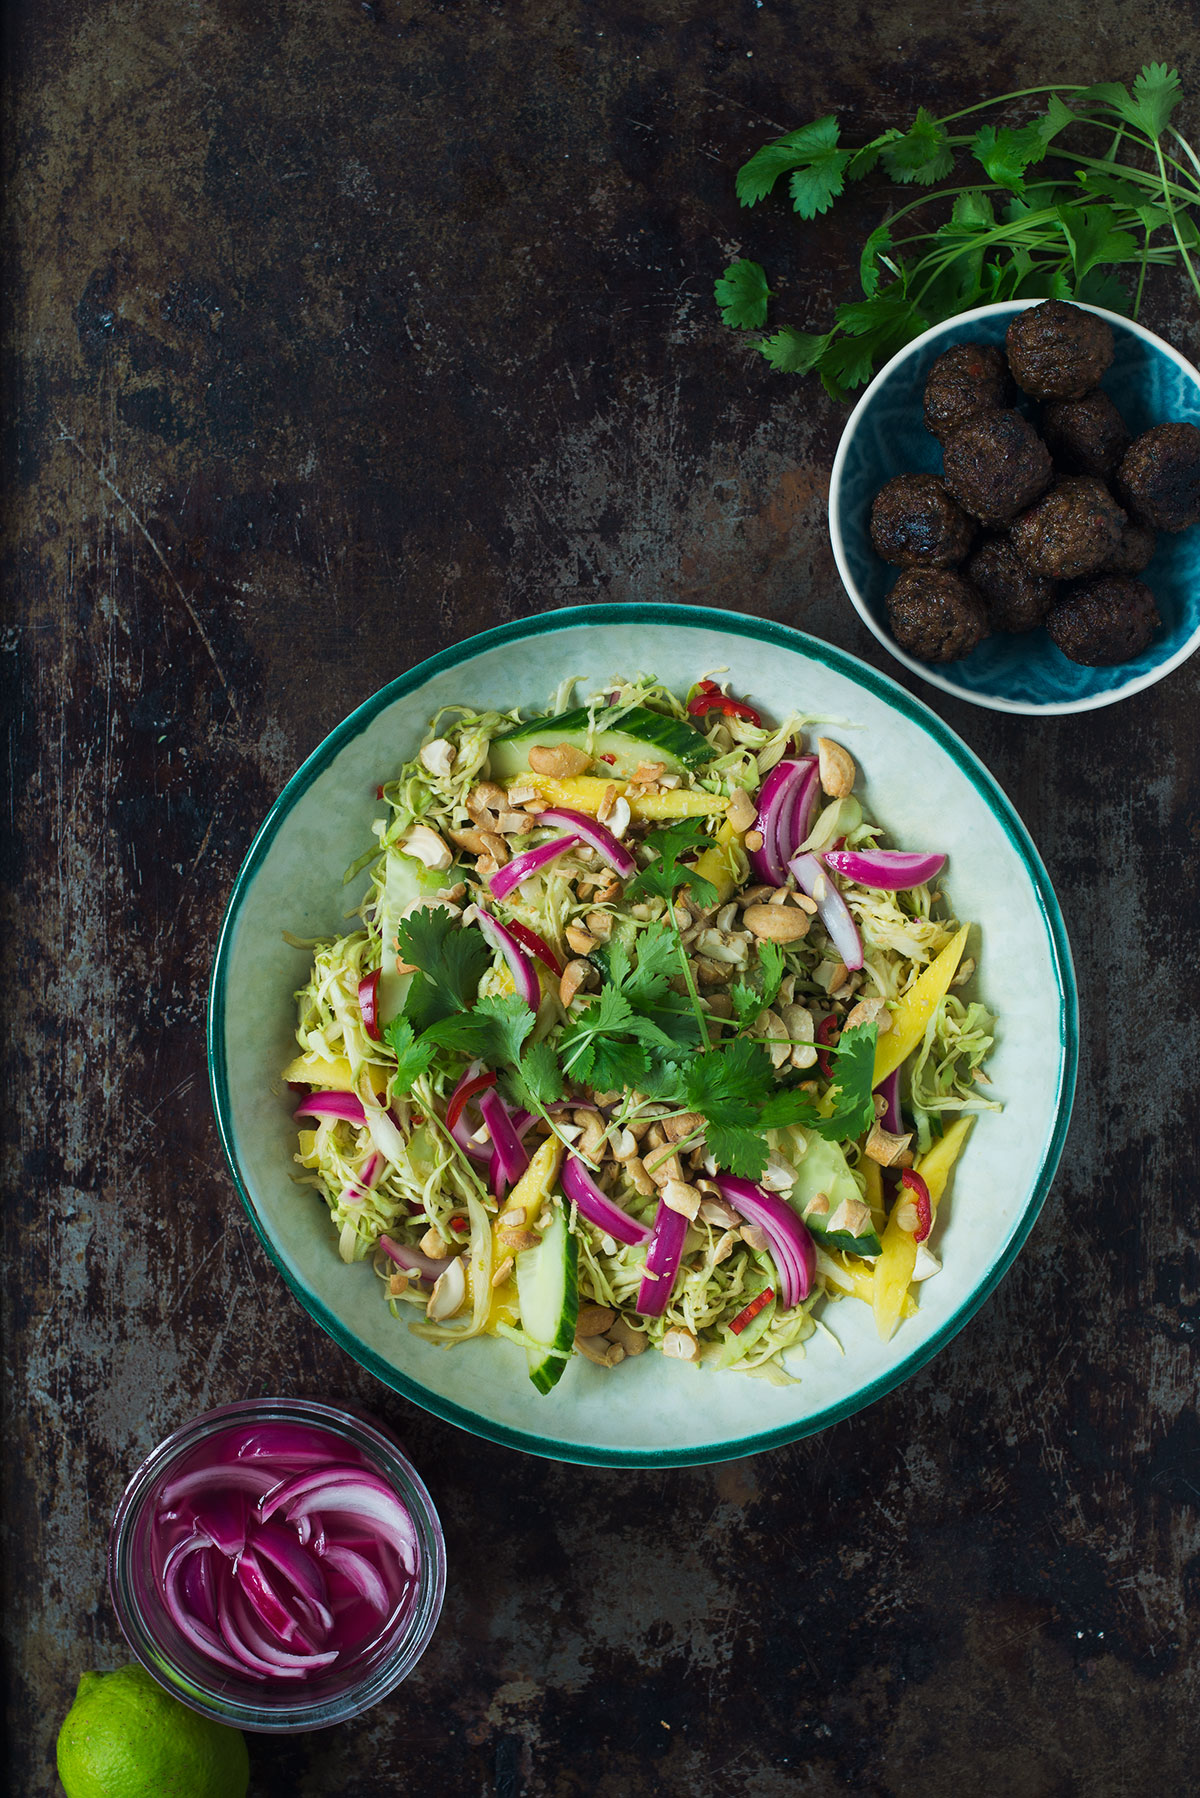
<point>330,1695</point>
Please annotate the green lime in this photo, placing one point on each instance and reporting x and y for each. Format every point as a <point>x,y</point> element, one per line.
<point>124,1737</point>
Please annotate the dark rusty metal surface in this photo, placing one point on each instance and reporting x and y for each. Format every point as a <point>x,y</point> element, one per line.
<point>336,332</point>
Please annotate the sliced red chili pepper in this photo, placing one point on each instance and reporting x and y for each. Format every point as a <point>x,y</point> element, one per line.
<point>719,702</point>
<point>459,1224</point>
<point>418,1117</point>
<point>610,759</point>
<point>379,792</point>
<point>368,1005</point>
<point>536,945</point>
<point>466,1091</point>
<point>920,1198</point>
<point>757,1304</point>
<point>825,1033</point>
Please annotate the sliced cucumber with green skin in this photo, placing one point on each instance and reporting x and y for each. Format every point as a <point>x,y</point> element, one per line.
<point>641,736</point>
<point>548,1294</point>
<point>405,879</point>
<point>825,1169</point>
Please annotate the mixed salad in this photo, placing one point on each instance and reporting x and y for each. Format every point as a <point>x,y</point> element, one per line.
<point>643,1041</point>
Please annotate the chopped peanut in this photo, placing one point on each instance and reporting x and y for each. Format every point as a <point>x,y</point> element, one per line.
<point>593,1320</point>
<point>776,923</point>
<point>561,762</point>
<point>741,811</point>
<point>835,766</point>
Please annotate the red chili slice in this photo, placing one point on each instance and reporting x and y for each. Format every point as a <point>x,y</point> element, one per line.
<point>466,1091</point>
<point>368,1005</point>
<point>922,1201</point>
<point>757,1304</point>
<point>825,1033</point>
<point>718,702</point>
<point>536,945</point>
<point>610,759</point>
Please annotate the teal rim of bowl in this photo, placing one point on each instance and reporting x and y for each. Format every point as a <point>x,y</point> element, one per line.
<point>883,687</point>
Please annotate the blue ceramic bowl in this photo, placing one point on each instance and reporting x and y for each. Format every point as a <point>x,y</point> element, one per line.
<point>1150,382</point>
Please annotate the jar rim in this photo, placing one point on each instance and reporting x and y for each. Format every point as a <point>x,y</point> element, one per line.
<point>296,1708</point>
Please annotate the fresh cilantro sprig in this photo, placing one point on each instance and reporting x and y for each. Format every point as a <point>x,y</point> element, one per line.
<point>1048,220</point>
<point>443,1011</point>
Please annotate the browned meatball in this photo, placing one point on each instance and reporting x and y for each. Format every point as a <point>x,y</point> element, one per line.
<point>966,379</point>
<point>1134,552</point>
<point>1071,531</point>
<point>1159,477</point>
<point>1108,619</point>
<point>1085,436</point>
<point>995,465</point>
<point>936,616</point>
<point>1056,351</point>
<point>1016,599</point>
<point>915,523</point>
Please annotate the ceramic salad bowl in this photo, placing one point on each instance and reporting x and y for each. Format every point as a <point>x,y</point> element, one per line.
<point>917,779</point>
<point>885,435</point>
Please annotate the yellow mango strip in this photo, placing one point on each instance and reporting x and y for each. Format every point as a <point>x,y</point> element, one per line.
<point>893,1272</point>
<point>916,1008</point>
<point>873,1174</point>
<point>858,1277</point>
<point>935,1167</point>
<point>518,1212</point>
<point>585,793</point>
<point>717,864</point>
<point>331,1075</point>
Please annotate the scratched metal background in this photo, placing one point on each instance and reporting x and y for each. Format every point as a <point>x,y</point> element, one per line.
<point>335,332</point>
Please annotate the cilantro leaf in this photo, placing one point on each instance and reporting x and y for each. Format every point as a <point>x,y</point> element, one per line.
<point>852,1092</point>
<point>412,1057</point>
<point>662,1080</point>
<point>794,352</point>
<point>737,1148</point>
<point>876,246</point>
<point>1090,233</point>
<point>609,1015</point>
<point>770,960</point>
<point>615,1063</point>
<point>1099,289</point>
<point>923,154</point>
<point>538,1077</point>
<point>657,963</point>
<point>665,876</point>
<point>453,956</point>
<point>742,294</point>
<point>729,1085</point>
<point>1007,153</point>
<point>863,161</point>
<point>493,1030</point>
<point>426,1004</point>
<point>747,1002</point>
<point>812,153</point>
<point>1156,93</point>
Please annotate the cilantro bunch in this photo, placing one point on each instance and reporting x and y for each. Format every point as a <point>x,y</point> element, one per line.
<point>1100,179</point>
<point>637,1033</point>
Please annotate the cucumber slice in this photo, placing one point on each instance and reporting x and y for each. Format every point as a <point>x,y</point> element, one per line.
<point>405,879</point>
<point>548,1293</point>
<point>641,736</point>
<point>825,1169</point>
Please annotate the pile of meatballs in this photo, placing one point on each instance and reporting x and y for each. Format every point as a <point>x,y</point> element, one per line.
<point>1033,525</point>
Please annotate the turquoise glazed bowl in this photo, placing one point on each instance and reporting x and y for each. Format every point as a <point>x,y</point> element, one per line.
<point>916,777</point>
<point>1150,382</point>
